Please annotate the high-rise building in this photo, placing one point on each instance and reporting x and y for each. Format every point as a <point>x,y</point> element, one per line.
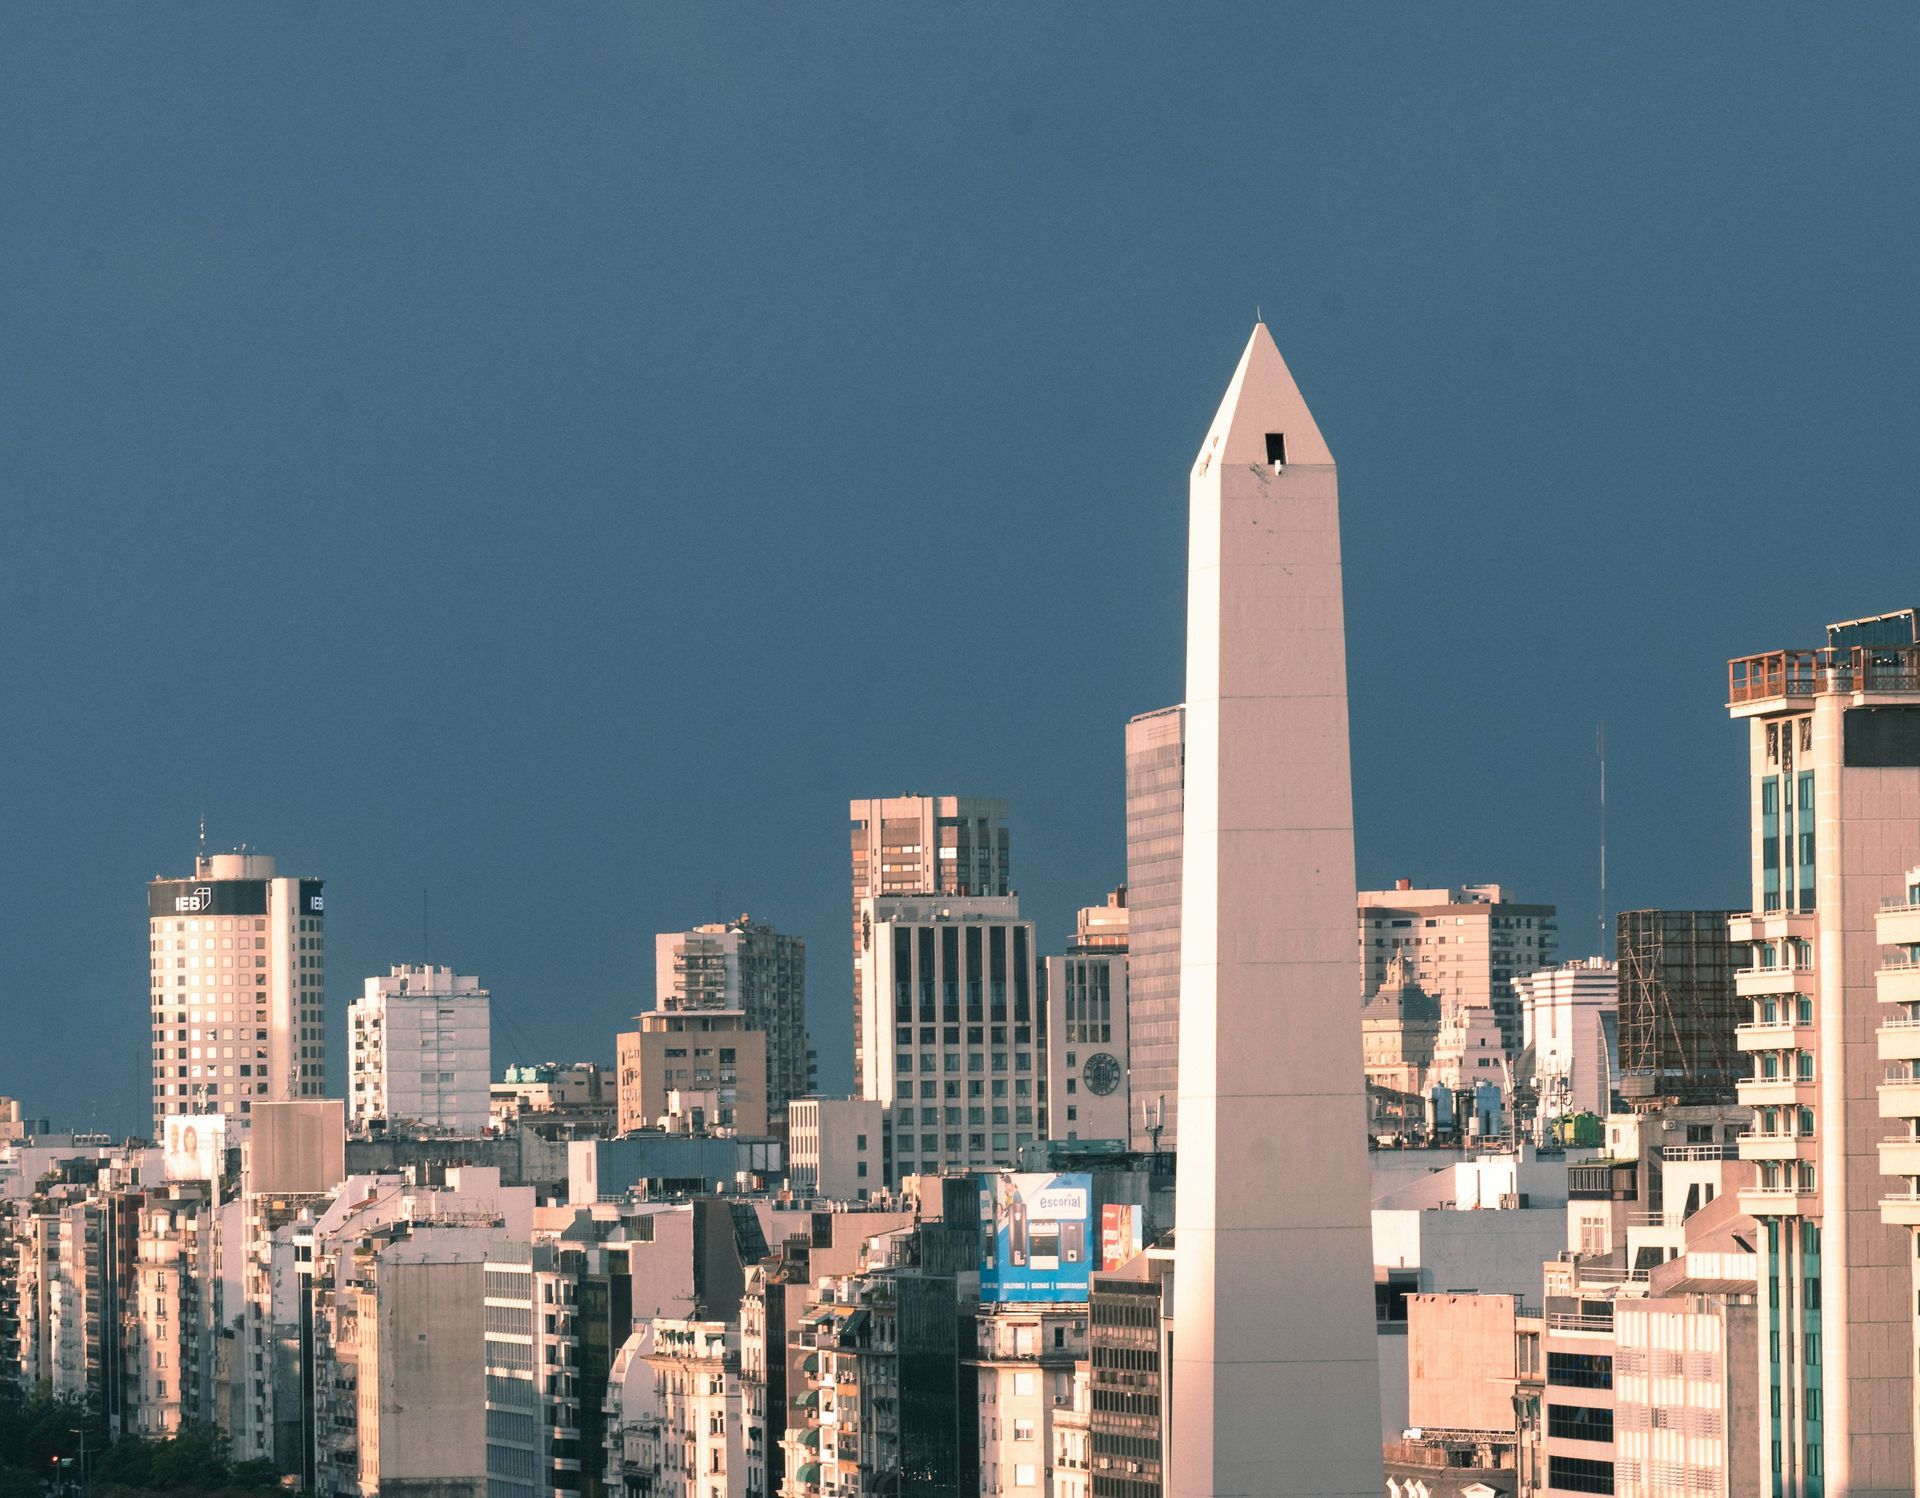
<point>751,967</point>
<point>1678,1008</point>
<point>419,1052</point>
<point>1466,945</point>
<point>1156,782</point>
<point>954,1041</point>
<point>1275,1386</point>
<point>237,970</point>
<point>1834,785</point>
<point>922,845</point>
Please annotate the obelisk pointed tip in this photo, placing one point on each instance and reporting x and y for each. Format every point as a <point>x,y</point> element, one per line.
<point>1263,418</point>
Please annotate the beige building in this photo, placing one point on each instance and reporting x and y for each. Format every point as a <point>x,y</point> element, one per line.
<point>236,987</point>
<point>836,1148</point>
<point>1156,750</point>
<point>921,845</point>
<point>1834,779</point>
<point>753,968</point>
<point>1897,930</point>
<point>953,1040</point>
<point>1026,1359</point>
<point>1466,945</point>
<point>696,1072</point>
<point>1399,1027</point>
<point>419,1052</point>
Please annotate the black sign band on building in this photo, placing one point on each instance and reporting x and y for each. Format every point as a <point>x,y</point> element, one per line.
<point>312,901</point>
<point>166,897</point>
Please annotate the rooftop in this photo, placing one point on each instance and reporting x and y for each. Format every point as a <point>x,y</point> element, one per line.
<point>1879,654</point>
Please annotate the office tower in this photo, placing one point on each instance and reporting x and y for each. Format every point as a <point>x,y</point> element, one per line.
<point>1678,1007</point>
<point>922,845</point>
<point>954,1044</point>
<point>1156,781</point>
<point>419,1049</point>
<point>1275,1385</point>
<point>1570,1021</point>
<point>1834,785</point>
<point>753,968</point>
<point>1897,930</point>
<point>1467,945</point>
<point>237,962</point>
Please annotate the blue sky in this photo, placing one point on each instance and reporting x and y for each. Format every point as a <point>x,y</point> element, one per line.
<point>554,457</point>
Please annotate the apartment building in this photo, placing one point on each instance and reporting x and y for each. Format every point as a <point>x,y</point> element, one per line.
<point>1833,774</point>
<point>1466,945</point>
<point>419,1053</point>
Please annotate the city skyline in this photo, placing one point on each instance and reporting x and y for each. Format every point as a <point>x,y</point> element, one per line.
<point>527,676</point>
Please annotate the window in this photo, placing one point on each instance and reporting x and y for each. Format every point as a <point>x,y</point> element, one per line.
<point>1027,1476</point>
<point>1574,1422</point>
<point>1578,1474</point>
<point>1276,448</point>
<point>1580,1370</point>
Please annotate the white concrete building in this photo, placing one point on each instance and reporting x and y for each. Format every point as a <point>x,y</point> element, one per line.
<point>1276,1388</point>
<point>237,987</point>
<point>953,1043</point>
<point>1569,1015</point>
<point>1156,749</point>
<point>836,1148</point>
<point>419,1053</point>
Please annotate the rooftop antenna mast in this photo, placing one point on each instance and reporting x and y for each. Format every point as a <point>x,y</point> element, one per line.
<point>203,829</point>
<point>1600,749</point>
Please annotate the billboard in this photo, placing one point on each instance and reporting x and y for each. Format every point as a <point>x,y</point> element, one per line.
<point>1036,1237</point>
<point>194,1146</point>
<point>1122,1234</point>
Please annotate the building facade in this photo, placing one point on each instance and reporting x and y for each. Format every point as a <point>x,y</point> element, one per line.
<point>1569,1020</point>
<point>1833,770</point>
<point>954,1041</point>
<point>922,845</point>
<point>237,987</point>
<point>1156,752</point>
<point>1466,945</point>
<point>836,1148</point>
<point>693,1071</point>
<point>753,968</point>
<point>1087,1095</point>
<point>419,1052</point>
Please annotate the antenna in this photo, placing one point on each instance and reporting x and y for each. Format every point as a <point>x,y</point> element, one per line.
<point>203,829</point>
<point>1600,749</point>
<point>424,929</point>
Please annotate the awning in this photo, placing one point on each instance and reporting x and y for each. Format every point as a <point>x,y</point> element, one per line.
<point>806,1401</point>
<point>808,1472</point>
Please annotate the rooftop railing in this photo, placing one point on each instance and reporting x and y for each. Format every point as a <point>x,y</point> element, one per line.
<point>1811,673</point>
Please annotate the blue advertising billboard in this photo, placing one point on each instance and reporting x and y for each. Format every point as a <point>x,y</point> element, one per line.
<point>1036,1237</point>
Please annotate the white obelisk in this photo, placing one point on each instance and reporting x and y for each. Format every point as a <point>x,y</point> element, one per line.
<point>1275,1376</point>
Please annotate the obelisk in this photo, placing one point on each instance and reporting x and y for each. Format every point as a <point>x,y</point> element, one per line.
<point>1275,1376</point>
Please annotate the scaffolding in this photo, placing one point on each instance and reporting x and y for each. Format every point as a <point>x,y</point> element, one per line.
<point>1678,1006</point>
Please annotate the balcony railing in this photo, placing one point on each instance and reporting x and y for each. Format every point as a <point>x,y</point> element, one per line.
<point>1811,673</point>
<point>1700,1152</point>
